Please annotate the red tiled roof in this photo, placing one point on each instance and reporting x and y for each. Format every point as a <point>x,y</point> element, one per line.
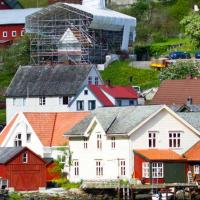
<point>100,95</point>
<point>193,154</point>
<point>122,92</point>
<point>177,92</point>
<point>50,127</point>
<point>159,154</point>
<point>6,129</point>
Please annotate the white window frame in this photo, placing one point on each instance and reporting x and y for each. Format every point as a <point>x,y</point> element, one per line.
<point>113,142</point>
<point>85,143</point>
<point>174,139</point>
<point>145,169</point>
<point>157,170</point>
<point>5,34</point>
<point>196,169</point>
<point>122,166</point>
<point>42,101</point>
<point>99,141</point>
<point>76,167</point>
<point>25,157</point>
<point>99,168</point>
<point>152,137</point>
<point>18,140</point>
<point>90,104</point>
<point>89,80</point>
<point>78,103</point>
<point>14,33</point>
<point>61,158</point>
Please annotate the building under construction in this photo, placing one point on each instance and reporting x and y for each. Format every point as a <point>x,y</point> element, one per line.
<point>79,32</point>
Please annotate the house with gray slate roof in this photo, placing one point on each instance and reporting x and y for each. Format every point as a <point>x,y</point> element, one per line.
<point>47,88</point>
<point>111,143</point>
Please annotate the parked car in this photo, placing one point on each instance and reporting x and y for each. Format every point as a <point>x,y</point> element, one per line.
<point>179,55</point>
<point>197,55</point>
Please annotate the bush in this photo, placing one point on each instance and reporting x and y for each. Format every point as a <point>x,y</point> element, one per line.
<point>64,183</point>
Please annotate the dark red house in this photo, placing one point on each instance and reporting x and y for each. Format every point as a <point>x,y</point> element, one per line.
<point>159,166</point>
<point>21,169</point>
<point>12,23</point>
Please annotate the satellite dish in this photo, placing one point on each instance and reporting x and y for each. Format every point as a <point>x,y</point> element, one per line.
<point>196,8</point>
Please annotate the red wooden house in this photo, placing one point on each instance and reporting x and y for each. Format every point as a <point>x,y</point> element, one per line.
<point>159,166</point>
<point>12,23</point>
<point>21,169</point>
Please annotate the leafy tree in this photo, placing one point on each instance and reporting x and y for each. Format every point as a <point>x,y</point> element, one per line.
<point>180,70</point>
<point>17,54</point>
<point>191,24</point>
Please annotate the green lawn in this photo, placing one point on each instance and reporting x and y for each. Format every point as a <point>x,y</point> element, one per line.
<point>2,116</point>
<point>33,3</point>
<point>119,73</point>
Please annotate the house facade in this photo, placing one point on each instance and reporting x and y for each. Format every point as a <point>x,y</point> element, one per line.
<point>49,89</point>
<point>105,142</point>
<point>92,96</point>
<point>43,133</point>
<point>19,166</point>
<point>12,27</point>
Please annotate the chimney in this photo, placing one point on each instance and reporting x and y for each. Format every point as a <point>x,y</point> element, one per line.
<point>189,101</point>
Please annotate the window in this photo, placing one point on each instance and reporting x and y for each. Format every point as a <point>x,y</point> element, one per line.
<point>174,139</point>
<point>61,158</point>
<point>42,101</point>
<point>131,102</point>
<point>5,34</point>
<point>28,137</point>
<point>96,80</point>
<point>85,143</point>
<point>145,169</point>
<point>3,183</point>
<point>22,32</point>
<point>14,33</point>
<point>157,170</point>
<point>152,139</point>
<point>99,141</point>
<point>65,100</point>
<point>122,167</point>
<point>196,169</point>
<point>113,142</point>
<point>85,92</point>
<point>89,80</point>
<point>76,168</point>
<point>99,168</point>
<point>119,102</point>
<point>80,105</point>
<point>91,104</point>
<point>25,157</point>
<point>18,140</point>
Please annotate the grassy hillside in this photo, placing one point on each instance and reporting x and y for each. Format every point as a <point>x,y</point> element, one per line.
<point>120,72</point>
<point>33,3</point>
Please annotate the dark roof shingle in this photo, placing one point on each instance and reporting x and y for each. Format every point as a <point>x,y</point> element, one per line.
<point>59,80</point>
<point>7,153</point>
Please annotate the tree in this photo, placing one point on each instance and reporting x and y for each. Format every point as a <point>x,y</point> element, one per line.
<point>180,70</point>
<point>191,24</point>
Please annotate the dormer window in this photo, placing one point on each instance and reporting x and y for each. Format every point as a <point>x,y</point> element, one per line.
<point>18,140</point>
<point>25,157</point>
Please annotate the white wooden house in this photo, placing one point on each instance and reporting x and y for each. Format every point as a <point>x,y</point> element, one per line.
<point>47,88</point>
<point>104,142</point>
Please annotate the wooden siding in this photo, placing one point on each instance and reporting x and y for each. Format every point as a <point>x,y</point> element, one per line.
<point>25,176</point>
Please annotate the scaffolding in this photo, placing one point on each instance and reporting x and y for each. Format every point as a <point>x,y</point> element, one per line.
<point>62,34</point>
